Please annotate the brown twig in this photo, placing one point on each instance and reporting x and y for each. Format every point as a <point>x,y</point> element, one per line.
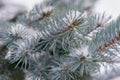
<point>98,26</point>
<point>44,15</point>
<point>111,42</point>
<point>72,25</point>
<point>106,61</point>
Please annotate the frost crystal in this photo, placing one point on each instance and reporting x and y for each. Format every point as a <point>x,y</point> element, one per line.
<point>83,51</point>
<point>73,16</point>
<point>47,9</point>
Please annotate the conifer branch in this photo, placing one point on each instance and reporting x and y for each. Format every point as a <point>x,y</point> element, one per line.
<point>71,26</point>
<point>106,61</point>
<point>107,36</point>
<point>44,15</point>
<point>98,26</point>
<point>110,43</point>
<point>101,21</point>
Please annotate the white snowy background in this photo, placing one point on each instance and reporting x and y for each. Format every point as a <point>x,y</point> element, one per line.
<point>15,7</point>
<point>110,7</point>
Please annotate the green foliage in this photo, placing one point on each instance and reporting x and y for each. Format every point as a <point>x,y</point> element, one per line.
<point>8,72</point>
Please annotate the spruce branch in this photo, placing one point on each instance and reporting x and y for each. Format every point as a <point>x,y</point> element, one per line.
<point>106,61</point>
<point>21,41</point>
<point>77,20</point>
<point>110,43</point>
<point>107,36</point>
<point>98,21</point>
<point>39,69</point>
<point>53,35</point>
<point>43,12</point>
<point>19,53</point>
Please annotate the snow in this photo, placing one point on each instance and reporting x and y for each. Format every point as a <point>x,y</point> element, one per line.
<point>25,3</point>
<point>111,7</point>
<point>83,51</point>
<point>15,7</point>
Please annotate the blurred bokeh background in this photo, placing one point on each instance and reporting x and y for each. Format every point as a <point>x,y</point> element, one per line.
<point>13,7</point>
